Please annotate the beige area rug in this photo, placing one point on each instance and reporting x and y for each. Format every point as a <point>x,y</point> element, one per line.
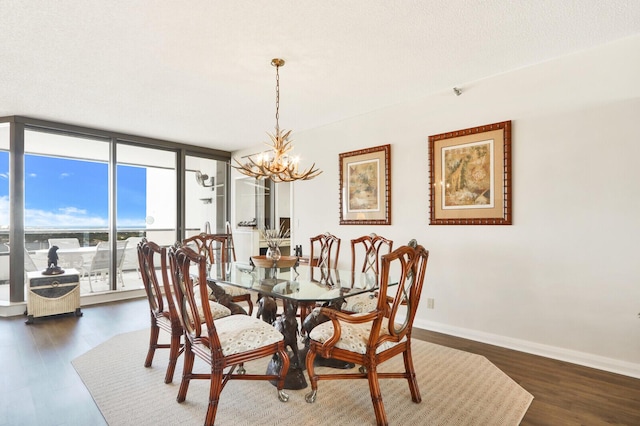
<point>457,388</point>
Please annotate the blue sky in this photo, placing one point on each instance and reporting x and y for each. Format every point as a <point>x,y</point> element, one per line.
<point>61,192</point>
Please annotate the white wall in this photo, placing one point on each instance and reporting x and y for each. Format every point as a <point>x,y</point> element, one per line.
<point>563,280</point>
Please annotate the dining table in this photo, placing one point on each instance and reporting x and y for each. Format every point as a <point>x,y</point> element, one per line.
<point>292,285</point>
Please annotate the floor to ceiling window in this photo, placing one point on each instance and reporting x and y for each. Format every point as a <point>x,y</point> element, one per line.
<point>66,193</point>
<point>95,194</point>
<point>4,211</point>
<point>146,203</point>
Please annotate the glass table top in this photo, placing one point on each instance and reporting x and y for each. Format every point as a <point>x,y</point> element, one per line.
<point>302,283</point>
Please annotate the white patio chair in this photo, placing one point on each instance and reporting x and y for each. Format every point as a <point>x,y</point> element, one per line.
<point>29,264</point>
<point>100,262</point>
<point>64,243</point>
<point>130,261</point>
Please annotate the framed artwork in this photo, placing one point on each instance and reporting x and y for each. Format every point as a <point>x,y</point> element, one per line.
<point>365,186</point>
<point>470,176</point>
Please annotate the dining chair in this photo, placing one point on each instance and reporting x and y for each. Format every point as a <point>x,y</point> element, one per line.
<point>325,249</point>
<point>164,315</point>
<point>365,259</point>
<point>372,338</point>
<point>216,249</point>
<point>223,343</point>
<point>231,248</point>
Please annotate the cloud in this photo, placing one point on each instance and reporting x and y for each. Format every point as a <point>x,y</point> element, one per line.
<point>4,175</point>
<point>67,218</point>
<point>65,175</point>
<point>72,211</point>
<point>70,217</point>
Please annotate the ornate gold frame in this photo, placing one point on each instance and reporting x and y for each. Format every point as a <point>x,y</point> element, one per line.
<point>365,186</point>
<point>461,162</point>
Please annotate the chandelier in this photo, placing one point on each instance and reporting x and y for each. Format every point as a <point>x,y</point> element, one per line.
<point>276,164</point>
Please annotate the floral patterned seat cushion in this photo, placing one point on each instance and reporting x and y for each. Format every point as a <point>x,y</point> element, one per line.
<point>354,337</point>
<point>217,310</point>
<point>233,291</point>
<point>242,333</point>
<point>361,303</point>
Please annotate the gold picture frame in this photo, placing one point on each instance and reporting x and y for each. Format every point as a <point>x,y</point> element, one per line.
<point>365,186</point>
<point>470,176</point>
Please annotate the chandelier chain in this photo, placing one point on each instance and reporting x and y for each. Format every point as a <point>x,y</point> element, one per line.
<point>277,98</point>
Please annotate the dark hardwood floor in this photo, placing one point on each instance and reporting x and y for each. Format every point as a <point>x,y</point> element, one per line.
<point>564,394</point>
<point>39,386</point>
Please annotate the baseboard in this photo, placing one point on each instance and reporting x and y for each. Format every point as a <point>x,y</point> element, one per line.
<point>112,296</point>
<point>10,309</point>
<point>16,309</point>
<point>575,357</point>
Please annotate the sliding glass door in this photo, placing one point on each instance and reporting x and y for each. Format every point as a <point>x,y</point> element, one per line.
<point>4,212</point>
<point>66,204</point>
<point>146,203</point>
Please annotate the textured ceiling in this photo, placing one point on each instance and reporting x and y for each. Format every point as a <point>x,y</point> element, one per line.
<point>199,71</point>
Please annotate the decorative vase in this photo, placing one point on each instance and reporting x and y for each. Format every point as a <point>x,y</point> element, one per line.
<point>273,253</point>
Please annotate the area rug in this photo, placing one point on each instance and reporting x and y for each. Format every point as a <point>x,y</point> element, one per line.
<point>457,388</point>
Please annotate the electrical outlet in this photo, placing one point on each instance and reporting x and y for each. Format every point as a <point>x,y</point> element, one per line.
<point>430,303</point>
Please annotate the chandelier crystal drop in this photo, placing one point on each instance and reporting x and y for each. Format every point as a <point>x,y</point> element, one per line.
<point>276,164</point>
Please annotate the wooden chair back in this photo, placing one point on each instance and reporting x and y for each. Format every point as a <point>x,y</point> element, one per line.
<point>365,261</point>
<point>230,245</point>
<point>188,269</point>
<point>153,258</point>
<point>326,248</point>
<point>213,246</point>
<point>366,252</point>
<point>148,253</point>
<point>400,310</point>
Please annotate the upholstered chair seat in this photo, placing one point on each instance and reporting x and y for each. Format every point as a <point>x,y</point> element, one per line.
<point>354,337</point>
<point>361,303</point>
<point>217,310</point>
<point>242,333</point>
